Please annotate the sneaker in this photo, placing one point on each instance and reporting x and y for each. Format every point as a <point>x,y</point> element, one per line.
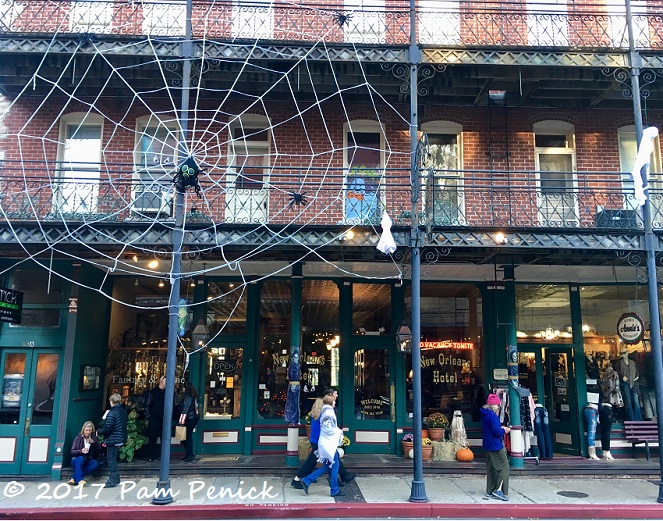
<point>71,482</point>
<point>110,484</point>
<point>349,477</point>
<point>82,483</point>
<point>339,493</point>
<point>500,495</point>
<point>295,483</point>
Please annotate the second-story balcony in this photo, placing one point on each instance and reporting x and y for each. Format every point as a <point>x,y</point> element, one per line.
<point>467,199</point>
<point>448,23</point>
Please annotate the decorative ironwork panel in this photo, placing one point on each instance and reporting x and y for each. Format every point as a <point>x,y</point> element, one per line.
<point>512,57</point>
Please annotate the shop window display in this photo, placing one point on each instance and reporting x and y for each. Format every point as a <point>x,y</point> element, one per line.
<point>223,388</point>
<point>601,307</point>
<point>275,316</point>
<point>543,314</point>
<point>139,338</point>
<point>452,371</point>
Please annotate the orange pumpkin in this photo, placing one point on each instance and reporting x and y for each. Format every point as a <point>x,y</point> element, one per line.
<point>464,454</point>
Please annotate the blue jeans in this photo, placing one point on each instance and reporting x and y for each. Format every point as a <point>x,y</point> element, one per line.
<point>631,401</point>
<point>542,431</point>
<point>648,402</point>
<point>592,418</point>
<point>83,467</point>
<point>333,472</point>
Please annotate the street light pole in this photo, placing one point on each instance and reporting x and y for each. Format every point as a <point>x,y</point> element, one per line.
<point>650,243</point>
<point>164,496</point>
<point>418,491</point>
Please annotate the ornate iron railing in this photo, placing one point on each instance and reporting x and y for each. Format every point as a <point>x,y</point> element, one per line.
<point>466,199</point>
<point>528,24</point>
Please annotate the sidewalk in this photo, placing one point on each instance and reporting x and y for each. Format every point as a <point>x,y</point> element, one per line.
<point>369,496</point>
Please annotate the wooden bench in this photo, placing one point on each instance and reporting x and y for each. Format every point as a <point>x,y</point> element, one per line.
<point>641,432</point>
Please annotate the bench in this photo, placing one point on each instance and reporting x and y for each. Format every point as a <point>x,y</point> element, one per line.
<point>641,432</point>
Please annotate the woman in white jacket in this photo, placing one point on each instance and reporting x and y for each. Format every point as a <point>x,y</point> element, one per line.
<point>330,438</point>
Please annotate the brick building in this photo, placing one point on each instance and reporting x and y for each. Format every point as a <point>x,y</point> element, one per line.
<point>299,117</point>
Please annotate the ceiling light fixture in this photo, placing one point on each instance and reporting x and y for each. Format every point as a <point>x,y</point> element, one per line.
<point>153,264</point>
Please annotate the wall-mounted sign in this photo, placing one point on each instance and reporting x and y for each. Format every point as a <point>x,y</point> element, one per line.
<point>11,305</point>
<point>630,328</point>
<point>447,344</point>
<point>500,374</point>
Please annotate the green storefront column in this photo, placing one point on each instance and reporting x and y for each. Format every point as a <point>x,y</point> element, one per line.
<point>508,322</point>
<point>292,451</point>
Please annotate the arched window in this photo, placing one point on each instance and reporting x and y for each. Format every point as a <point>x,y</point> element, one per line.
<point>363,158</point>
<point>555,157</point>
<point>443,192</point>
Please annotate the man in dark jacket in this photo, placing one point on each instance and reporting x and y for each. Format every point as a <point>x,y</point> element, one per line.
<point>154,412</point>
<point>114,431</point>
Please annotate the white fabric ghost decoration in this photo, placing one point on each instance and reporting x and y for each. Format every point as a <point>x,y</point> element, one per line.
<point>386,244</point>
<point>642,159</point>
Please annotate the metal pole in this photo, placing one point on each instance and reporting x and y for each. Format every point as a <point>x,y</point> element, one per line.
<point>164,495</point>
<point>418,491</point>
<point>650,245</point>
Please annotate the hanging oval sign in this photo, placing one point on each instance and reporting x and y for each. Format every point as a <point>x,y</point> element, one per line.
<point>630,328</point>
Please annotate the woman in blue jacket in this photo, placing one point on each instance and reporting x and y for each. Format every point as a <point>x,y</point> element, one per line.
<point>497,463</point>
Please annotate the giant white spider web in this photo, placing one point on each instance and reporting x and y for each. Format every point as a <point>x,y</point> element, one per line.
<point>99,137</point>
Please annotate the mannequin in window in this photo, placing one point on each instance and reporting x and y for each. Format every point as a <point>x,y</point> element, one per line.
<point>629,386</point>
<point>612,400</point>
<point>592,418</point>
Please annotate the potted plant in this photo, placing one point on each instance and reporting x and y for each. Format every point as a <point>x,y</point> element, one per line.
<point>307,424</point>
<point>437,425</point>
<point>341,449</point>
<point>135,437</point>
<point>407,442</point>
<point>426,448</point>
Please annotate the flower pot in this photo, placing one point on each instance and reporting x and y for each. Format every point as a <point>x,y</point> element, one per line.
<point>435,434</point>
<point>426,452</point>
<point>424,433</point>
<point>407,445</point>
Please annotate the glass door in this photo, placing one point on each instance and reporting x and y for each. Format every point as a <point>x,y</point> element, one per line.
<point>374,413</point>
<point>560,399</point>
<point>29,395</point>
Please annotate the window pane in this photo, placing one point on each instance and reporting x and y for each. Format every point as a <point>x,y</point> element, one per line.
<point>36,287</point>
<point>226,310</point>
<point>12,388</point>
<point>275,302</point>
<point>545,141</point>
<point>320,340</point>
<point>527,373</point>
<point>371,309</point>
<point>543,313</point>
<point>363,149</point>
<point>452,369</point>
<point>158,147</point>
<point>371,377</point>
<point>45,386</point>
<point>223,388</point>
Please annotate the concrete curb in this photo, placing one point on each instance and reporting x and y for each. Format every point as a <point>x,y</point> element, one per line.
<point>343,510</point>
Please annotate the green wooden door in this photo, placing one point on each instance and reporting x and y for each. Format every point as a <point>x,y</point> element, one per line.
<point>371,420</point>
<point>560,399</point>
<point>27,410</point>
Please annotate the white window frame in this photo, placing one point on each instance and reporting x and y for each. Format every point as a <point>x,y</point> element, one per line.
<point>252,19</point>
<point>439,22</point>
<point>626,162</point>
<point>363,126</point>
<point>550,214</point>
<point>248,205</point>
<point>618,29</point>
<point>91,17</point>
<point>81,196</point>
<point>367,22</point>
<point>164,17</point>
<point>453,181</point>
<point>547,23</point>
<point>152,190</point>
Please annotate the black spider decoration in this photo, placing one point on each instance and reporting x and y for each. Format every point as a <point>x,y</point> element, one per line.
<point>297,199</point>
<point>342,18</point>
<point>187,176</point>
